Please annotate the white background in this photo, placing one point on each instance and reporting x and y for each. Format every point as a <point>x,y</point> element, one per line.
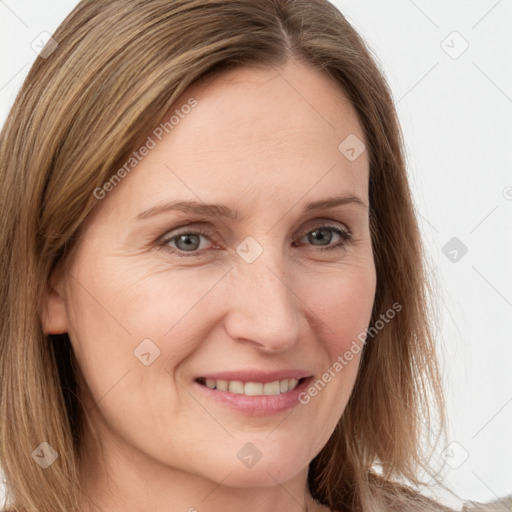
<point>456,117</point>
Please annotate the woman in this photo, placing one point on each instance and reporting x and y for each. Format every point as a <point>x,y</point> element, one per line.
<point>174,334</point>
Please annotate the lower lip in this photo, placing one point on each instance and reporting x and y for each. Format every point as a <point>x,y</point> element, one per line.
<point>257,405</point>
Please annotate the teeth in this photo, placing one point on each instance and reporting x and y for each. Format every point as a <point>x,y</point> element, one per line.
<point>221,385</point>
<point>253,388</point>
<point>271,388</point>
<point>236,386</point>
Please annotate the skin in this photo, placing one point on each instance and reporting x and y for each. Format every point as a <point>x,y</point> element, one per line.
<point>266,144</point>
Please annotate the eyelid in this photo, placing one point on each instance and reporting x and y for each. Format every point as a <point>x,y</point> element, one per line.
<point>190,229</point>
<point>341,229</point>
<point>325,223</point>
<point>190,226</point>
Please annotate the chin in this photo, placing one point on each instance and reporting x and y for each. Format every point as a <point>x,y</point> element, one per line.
<point>261,473</point>
<point>263,476</point>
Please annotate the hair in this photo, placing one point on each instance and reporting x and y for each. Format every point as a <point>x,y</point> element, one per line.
<point>84,107</point>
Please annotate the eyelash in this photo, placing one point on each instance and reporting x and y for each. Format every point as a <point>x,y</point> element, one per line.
<point>345,235</point>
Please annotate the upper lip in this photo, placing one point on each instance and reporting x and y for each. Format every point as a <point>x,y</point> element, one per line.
<point>255,375</point>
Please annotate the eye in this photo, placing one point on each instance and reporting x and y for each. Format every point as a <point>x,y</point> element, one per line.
<point>324,235</point>
<point>188,243</point>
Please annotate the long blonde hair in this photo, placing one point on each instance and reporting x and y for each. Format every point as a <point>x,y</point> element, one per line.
<point>84,107</point>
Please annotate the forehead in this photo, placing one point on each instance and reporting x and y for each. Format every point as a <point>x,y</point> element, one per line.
<point>261,134</point>
<point>256,105</point>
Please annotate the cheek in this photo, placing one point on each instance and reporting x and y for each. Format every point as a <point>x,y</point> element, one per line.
<point>134,299</point>
<point>121,317</point>
<point>344,307</point>
<point>129,332</point>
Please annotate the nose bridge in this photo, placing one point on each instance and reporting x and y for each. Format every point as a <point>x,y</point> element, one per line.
<point>264,309</point>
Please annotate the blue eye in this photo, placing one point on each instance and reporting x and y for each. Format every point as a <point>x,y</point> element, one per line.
<point>320,234</point>
<point>187,243</point>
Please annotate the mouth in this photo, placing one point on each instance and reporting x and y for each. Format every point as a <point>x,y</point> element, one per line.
<point>253,397</point>
<point>276,387</point>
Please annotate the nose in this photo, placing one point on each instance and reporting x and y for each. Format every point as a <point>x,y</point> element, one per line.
<point>262,307</point>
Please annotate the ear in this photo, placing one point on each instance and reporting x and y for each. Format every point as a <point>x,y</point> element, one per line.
<point>54,316</point>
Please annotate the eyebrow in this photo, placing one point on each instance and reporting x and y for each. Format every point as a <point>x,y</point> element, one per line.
<point>220,210</point>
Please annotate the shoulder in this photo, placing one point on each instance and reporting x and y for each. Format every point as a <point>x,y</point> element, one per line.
<point>409,503</point>
<point>390,496</point>
<point>499,505</point>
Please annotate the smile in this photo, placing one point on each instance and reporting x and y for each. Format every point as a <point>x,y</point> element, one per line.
<point>253,398</point>
<point>238,387</point>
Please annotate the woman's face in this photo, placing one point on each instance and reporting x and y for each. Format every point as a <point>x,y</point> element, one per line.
<point>158,298</point>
